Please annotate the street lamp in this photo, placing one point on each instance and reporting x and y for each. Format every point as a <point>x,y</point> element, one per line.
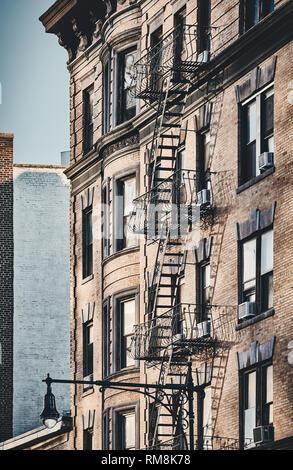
<point>50,414</point>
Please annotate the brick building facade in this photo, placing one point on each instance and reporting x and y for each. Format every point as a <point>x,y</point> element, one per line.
<point>6,283</point>
<point>190,103</point>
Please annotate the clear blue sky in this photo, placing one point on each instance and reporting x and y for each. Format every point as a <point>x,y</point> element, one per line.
<point>35,83</point>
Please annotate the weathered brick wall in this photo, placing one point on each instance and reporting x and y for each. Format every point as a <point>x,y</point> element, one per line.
<point>41,297</point>
<point>6,284</point>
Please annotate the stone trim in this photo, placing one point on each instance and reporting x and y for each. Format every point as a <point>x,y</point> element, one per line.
<point>255,354</point>
<point>258,220</point>
<point>86,199</point>
<point>203,251</point>
<point>88,420</point>
<point>87,313</point>
<point>259,77</point>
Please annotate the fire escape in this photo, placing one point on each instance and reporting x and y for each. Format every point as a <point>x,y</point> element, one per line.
<point>166,214</point>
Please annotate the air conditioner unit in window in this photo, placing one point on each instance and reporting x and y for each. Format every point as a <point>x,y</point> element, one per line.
<point>203,329</point>
<point>263,434</point>
<point>203,57</point>
<point>265,161</point>
<point>246,310</point>
<point>204,197</point>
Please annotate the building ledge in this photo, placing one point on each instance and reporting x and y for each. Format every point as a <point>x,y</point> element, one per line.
<point>37,435</point>
<point>255,180</point>
<point>256,319</point>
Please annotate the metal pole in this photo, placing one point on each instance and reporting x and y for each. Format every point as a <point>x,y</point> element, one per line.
<point>200,398</point>
<point>190,391</point>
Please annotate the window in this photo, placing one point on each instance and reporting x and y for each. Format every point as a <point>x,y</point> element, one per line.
<point>87,242</point>
<point>88,439</point>
<point>254,11</point>
<point>106,96</point>
<point>126,99</point>
<point>204,22</point>
<point>204,159</point>
<point>179,24</point>
<point>106,219</point>
<point>88,119</point>
<point>105,435</point>
<point>257,133</point>
<point>156,58</point>
<point>204,272</point>
<point>125,430</point>
<point>123,332</point>
<point>126,193</point>
<point>88,350</point>
<point>257,400</point>
<point>106,338</point>
<point>257,270</point>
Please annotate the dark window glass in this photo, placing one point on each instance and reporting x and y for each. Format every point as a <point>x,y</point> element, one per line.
<point>106,220</point>
<point>106,100</point>
<point>179,23</point>
<point>87,243</point>
<point>254,11</point>
<point>268,121</point>
<point>204,159</point>
<point>88,119</point>
<point>106,430</point>
<point>250,133</point>
<point>106,339</point>
<point>87,440</point>
<point>126,94</point>
<point>156,59</point>
<point>88,349</point>
<point>204,289</point>
<point>204,22</point>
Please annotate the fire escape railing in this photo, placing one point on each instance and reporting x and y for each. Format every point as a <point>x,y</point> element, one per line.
<point>176,52</point>
<point>188,328</point>
<point>209,443</point>
<point>176,195</point>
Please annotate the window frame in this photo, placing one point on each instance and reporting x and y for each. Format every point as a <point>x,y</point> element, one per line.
<point>260,396</point>
<point>118,211</point>
<point>88,121</point>
<point>87,248</point>
<point>261,15</point>
<point>88,437</point>
<point>203,13</point>
<point>106,190</point>
<point>122,410</point>
<point>258,98</point>
<point>107,96</point>
<point>106,346</point>
<point>118,298</point>
<point>120,117</point>
<point>88,350</point>
<point>258,276</point>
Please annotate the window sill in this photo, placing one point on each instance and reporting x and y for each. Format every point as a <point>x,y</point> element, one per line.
<point>125,251</point>
<point>126,371</point>
<point>254,180</point>
<point>256,319</point>
<point>87,391</point>
<point>87,279</point>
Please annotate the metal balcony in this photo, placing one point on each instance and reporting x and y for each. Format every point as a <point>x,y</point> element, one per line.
<point>177,52</point>
<point>209,443</point>
<point>175,200</point>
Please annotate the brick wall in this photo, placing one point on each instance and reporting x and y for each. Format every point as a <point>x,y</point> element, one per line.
<point>6,284</point>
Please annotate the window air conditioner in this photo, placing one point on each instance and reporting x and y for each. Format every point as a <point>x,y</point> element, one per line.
<point>204,197</point>
<point>203,57</point>
<point>177,338</point>
<point>89,378</point>
<point>246,310</point>
<point>263,434</point>
<point>265,161</point>
<point>203,329</point>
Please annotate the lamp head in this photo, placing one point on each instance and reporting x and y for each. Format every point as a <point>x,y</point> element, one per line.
<point>50,414</point>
